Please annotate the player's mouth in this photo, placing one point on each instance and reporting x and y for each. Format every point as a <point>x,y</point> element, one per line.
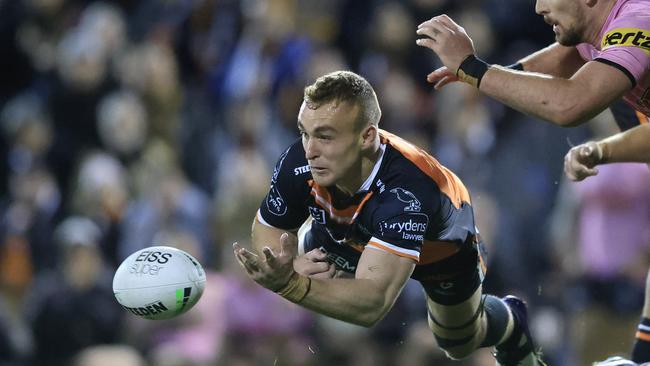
<point>318,169</point>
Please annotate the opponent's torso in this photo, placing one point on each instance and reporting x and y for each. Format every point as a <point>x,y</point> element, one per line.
<point>625,44</point>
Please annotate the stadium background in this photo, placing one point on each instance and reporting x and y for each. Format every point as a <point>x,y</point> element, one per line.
<point>126,123</point>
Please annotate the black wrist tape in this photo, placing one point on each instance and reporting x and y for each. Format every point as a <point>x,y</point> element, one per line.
<point>471,70</point>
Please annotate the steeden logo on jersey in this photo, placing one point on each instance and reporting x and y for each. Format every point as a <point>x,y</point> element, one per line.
<point>627,37</point>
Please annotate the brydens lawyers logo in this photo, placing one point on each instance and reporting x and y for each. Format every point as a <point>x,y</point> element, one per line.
<point>407,227</point>
<point>627,37</point>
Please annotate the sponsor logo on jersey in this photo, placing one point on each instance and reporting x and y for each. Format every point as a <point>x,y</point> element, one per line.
<point>301,170</point>
<point>318,214</point>
<point>154,308</point>
<point>275,203</point>
<point>413,204</point>
<point>341,262</point>
<point>407,227</point>
<point>627,37</point>
<point>278,166</point>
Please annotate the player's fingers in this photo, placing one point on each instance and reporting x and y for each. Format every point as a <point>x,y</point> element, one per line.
<point>444,81</point>
<point>427,32</point>
<point>269,256</point>
<point>426,42</point>
<point>586,151</point>
<point>447,21</point>
<point>316,255</point>
<point>242,262</point>
<point>286,245</point>
<point>250,259</point>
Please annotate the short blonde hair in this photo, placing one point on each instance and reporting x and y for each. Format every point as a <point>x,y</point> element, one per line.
<point>345,86</point>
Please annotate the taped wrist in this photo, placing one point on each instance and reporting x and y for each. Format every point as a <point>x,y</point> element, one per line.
<point>296,289</point>
<point>605,153</point>
<point>471,70</point>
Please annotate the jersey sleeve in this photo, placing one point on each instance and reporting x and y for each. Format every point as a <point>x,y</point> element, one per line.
<point>284,206</point>
<point>626,45</point>
<point>400,223</point>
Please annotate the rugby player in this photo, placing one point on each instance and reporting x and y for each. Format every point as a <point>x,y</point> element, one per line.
<point>382,210</point>
<point>602,54</point>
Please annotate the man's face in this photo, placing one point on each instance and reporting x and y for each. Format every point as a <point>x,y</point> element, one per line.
<point>567,18</point>
<point>331,141</point>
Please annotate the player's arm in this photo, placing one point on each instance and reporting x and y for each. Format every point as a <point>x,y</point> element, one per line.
<point>268,236</point>
<point>556,60</point>
<point>366,298</point>
<point>562,101</point>
<point>629,146</point>
<point>363,300</point>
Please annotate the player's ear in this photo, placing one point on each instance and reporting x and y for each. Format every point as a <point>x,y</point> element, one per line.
<point>370,136</point>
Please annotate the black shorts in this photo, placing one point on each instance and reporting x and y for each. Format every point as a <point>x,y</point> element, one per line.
<point>453,280</point>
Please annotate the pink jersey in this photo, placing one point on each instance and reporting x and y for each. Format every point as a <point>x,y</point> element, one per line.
<point>625,44</point>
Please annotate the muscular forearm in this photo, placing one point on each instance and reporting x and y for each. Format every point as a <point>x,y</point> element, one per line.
<point>357,301</point>
<point>629,146</point>
<point>554,60</point>
<point>539,95</point>
<point>547,97</point>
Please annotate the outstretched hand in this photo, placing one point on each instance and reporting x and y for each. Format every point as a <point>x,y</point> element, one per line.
<point>580,161</point>
<point>450,42</point>
<point>271,270</point>
<point>441,77</point>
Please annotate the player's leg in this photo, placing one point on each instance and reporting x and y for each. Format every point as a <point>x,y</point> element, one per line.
<point>641,349</point>
<point>463,319</point>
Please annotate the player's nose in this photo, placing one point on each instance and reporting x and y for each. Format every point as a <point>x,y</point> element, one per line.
<point>540,7</point>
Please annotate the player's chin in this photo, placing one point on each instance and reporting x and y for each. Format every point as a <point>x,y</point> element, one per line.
<point>324,180</point>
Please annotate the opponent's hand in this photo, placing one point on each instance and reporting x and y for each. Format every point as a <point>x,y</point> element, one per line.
<point>442,77</point>
<point>447,39</point>
<point>580,161</point>
<point>271,270</point>
<point>314,264</point>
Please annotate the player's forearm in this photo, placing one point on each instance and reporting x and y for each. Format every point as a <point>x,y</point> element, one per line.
<point>543,96</point>
<point>629,146</point>
<point>358,301</point>
<point>555,60</point>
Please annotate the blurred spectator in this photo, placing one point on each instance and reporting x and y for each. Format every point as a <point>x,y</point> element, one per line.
<point>108,356</point>
<point>73,307</point>
<point>101,193</point>
<point>602,246</point>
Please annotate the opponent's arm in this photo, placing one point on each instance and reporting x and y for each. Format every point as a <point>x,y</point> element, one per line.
<point>629,146</point>
<point>556,60</point>
<point>562,101</point>
<point>363,300</point>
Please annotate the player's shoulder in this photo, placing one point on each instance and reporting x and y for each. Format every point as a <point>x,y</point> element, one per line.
<point>292,162</point>
<point>630,25</point>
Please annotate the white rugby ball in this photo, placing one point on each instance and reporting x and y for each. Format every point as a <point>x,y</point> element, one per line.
<point>159,282</point>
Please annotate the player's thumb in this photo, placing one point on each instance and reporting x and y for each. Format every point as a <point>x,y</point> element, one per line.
<point>287,242</point>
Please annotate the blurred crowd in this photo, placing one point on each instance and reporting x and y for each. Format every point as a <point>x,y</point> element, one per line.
<point>125,124</point>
